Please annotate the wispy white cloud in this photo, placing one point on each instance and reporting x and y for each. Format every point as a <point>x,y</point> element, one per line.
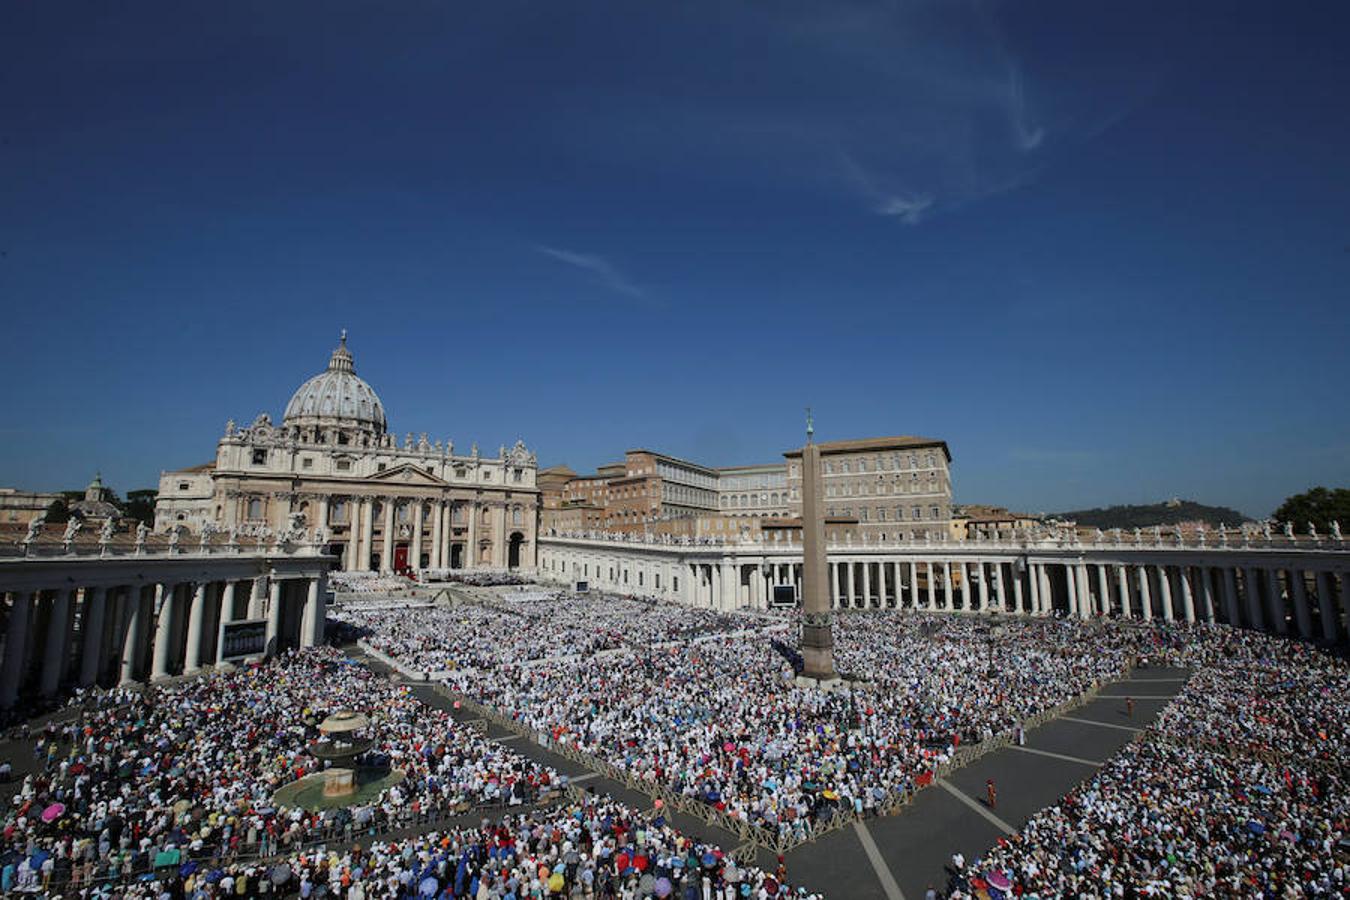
<point>1026,134</point>
<point>884,200</point>
<point>601,269</point>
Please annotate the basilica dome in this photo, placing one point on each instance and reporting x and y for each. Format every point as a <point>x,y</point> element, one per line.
<point>336,397</point>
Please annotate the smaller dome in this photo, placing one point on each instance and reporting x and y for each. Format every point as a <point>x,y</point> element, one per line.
<point>337,396</point>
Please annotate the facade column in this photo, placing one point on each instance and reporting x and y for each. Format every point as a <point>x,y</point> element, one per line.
<point>1123,587</point>
<point>1251,585</point>
<point>323,513</point>
<point>1326,605</point>
<point>437,535</point>
<point>273,632</point>
<point>353,562</point>
<point>1071,580</point>
<point>1145,595</point>
<point>1017,588</point>
<point>1275,601</point>
<point>984,586</point>
<point>1299,591</point>
<point>1187,598</point>
<point>499,536</point>
<point>192,662</point>
<point>91,636</point>
<point>415,545</point>
<point>472,550</point>
<point>364,564</point>
<point>159,669</point>
<point>932,586</point>
<point>54,651</point>
<point>387,542</point>
<point>947,584</point>
<point>1206,592</point>
<point>1165,593</point>
<point>1230,597</point>
<point>16,647</point>
<point>1034,582</point>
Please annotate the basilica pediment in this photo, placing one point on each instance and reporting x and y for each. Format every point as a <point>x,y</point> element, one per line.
<point>408,474</point>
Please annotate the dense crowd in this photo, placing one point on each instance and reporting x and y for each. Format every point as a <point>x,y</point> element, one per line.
<point>195,765</point>
<point>705,704</point>
<point>1239,789</point>
<point>372,583</point>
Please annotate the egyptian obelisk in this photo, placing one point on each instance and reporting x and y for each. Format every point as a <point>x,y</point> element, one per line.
<point>817,641</point>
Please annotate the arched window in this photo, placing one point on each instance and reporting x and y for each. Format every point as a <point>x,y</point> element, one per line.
<point>255,508</point>
<point>515,516</point>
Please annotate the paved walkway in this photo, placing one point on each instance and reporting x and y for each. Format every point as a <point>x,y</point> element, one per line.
<point>900,857</point>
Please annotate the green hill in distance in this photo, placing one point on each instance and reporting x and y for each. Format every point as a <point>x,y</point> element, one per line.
<point>1142,516</point>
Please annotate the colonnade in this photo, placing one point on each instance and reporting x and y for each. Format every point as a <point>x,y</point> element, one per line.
<point>82,621</point>
<point>1302,593</point>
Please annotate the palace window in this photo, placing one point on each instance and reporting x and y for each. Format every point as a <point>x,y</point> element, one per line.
<point>343,439</point>
<point>183,486</point>
<point>380,467</point>
<point>307,462</point>
<point>260,457</point>
<point>917,512</point>
<point>344,465</point>
<point>517,475</point>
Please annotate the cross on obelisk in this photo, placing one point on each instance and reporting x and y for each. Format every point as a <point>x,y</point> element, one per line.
<point>817,640</point>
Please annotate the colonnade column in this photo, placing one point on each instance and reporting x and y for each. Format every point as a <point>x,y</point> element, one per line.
<point>1123,588</point>
<point>160,660</point>
<point>1017,588</point>
<point>91,639</point>
<point>913,585</point>
<point>193,661</point>
<point>932,586</point>
<point>1104,590</point>
<point>1187,598</point>
<point>1275,600</point>
<point>1252,587</point>
<point>834,585</point>
<point>1165,592</point>
<point>1034,582</point>
<point>273,631</point>
<point>965,587</point>
<point>1327,607</point>
<point>1230,598</point>
<point>54,651</point>
<point>226,616</point>
<point>984,587</point>
<point>1145,596</point>
<point>1300,595</point>
<point>137,621</point>
<point>1085,608</point>
<point>16,647</point>
<point>867,585</point>
<point>1206,592</point>
<point>947,584</point>
<point>1071,578</point>
<point>1047,593</point>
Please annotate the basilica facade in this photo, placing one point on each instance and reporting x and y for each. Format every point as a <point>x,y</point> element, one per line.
<point>332,469</point>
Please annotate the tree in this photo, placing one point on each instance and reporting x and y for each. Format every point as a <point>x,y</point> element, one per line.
<point>1319,506</point>
<point>140,505</point>
<point>57,513</point>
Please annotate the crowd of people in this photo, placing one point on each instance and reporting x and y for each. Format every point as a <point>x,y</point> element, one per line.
<point>1239,789</point>
<point>723,722</point>
<point>192,768</point>
<point>366,583</point>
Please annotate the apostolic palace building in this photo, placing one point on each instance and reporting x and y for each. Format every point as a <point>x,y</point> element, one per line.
<point>332,465</point>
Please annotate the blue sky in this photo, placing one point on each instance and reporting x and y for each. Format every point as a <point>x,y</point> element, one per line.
<point>1101,249</point>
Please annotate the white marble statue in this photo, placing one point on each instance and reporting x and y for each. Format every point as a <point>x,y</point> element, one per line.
<point>73,527</point>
